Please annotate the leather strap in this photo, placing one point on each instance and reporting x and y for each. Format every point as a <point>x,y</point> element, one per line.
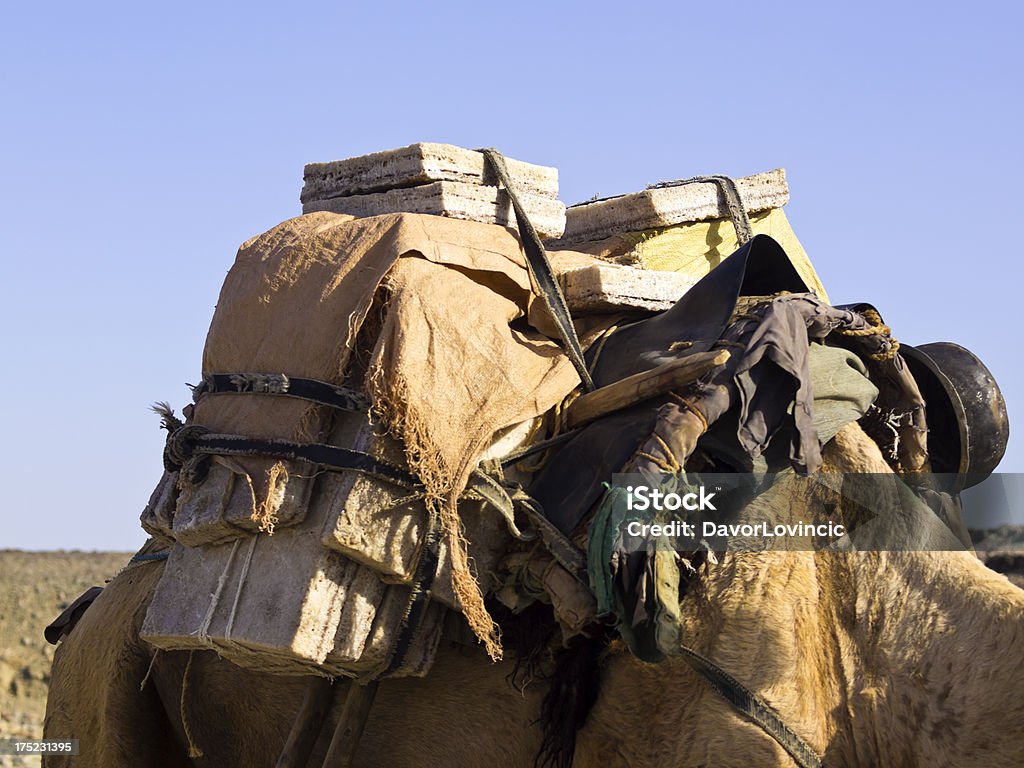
<point>192,440</point>
<point>419,596</point>
<point>540,268</point>
<point>321,392</point>
<point>754,707</point>
<point>730,193</point>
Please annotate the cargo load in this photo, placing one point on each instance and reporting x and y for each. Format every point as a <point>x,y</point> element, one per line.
<point>370,367</point>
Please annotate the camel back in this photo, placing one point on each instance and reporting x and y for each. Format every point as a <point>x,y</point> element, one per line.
<point>282,566</point>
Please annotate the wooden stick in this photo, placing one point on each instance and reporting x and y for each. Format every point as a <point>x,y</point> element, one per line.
<point>642,386</point>
<point>308,722</point>
<point>350,725</point>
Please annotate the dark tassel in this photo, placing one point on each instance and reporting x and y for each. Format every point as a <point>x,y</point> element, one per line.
<point>573,689</point>
<point>168,420</point>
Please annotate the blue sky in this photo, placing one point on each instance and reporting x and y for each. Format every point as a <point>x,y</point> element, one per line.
<point>140,144</point>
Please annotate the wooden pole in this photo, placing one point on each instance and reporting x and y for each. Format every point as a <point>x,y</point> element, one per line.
<point>307,725</point>
<point>350,725</point>
<point>642,386</point>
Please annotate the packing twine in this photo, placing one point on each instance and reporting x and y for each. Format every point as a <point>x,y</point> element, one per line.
<point>238,592</point>
<point>193,750</point>
<point>203,632</point>
<point>149,670</point>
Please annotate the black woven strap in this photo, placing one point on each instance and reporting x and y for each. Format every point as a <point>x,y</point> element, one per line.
<point>753,706</point>
<point>192,440</point>
<point>731,195</point>
<point>419,596</point>
<point>327,456</point>
<point>540,268</point>
<point>321,392</point>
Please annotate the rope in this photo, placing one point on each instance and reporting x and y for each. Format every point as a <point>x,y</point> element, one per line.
<point>241,585</point>
<point>558,424</point>
<point>202,632</point>
<point>149,670</point>
<point>691,408</point>
<point>599,347</point>
<point>193,750</point>
<point>560,409</point>
<point>673,461</point>
<point>876,327</point>
<point>664,466</point>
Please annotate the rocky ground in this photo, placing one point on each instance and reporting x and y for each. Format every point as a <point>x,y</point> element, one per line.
<point>1002,549</point>
<point>36,586</point>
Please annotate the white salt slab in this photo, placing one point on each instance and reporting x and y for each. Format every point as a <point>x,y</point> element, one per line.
<point>665,206</point>
<point>611,288</point>
<point>488,205</point>
<point>416,165</point>
<point>158,516</point>
<point>280,612</point>
<point>369,631</point>
<point>369,521</point>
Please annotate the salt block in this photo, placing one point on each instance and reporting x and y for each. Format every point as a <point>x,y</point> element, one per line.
<point>612,288</point>
<point>287,505</point>
<point>222,506</point>
<point>365,597</point>
<point>367,639</point>
<point>199,514</point>
<point>665,206</point>
<point>158,516</point>
<point>381,525</point>
<point>416,165</point>
<point>262,601</point>
<point>456,200</point>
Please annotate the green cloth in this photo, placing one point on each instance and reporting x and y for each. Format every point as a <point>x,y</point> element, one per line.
<point>650,623</point>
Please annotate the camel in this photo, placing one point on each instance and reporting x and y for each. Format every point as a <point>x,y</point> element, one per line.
<point>875,658</point>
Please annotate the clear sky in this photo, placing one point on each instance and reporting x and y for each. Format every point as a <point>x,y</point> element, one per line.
<point>141,143</point>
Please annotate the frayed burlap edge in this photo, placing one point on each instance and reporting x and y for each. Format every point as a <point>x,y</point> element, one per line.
<point>265,514</point>
<point>442,485</point>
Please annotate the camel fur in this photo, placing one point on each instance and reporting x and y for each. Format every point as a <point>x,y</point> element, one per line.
<point>876,658</point>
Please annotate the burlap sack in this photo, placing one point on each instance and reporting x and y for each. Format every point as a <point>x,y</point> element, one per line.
<point>455,360</point>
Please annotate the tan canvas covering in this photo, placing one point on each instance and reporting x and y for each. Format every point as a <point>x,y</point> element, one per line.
<point>453,362</point>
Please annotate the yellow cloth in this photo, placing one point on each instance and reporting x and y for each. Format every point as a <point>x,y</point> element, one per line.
<point>698,247</point>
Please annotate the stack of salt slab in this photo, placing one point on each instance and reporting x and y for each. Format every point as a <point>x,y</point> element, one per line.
<point>663,206</point>
<point>674,233</point>
<point>325,595</point>
<point>438,179</point>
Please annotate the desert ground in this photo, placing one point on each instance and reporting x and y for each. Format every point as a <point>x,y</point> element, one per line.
<point>37,586</point>
<point>34,588</point>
